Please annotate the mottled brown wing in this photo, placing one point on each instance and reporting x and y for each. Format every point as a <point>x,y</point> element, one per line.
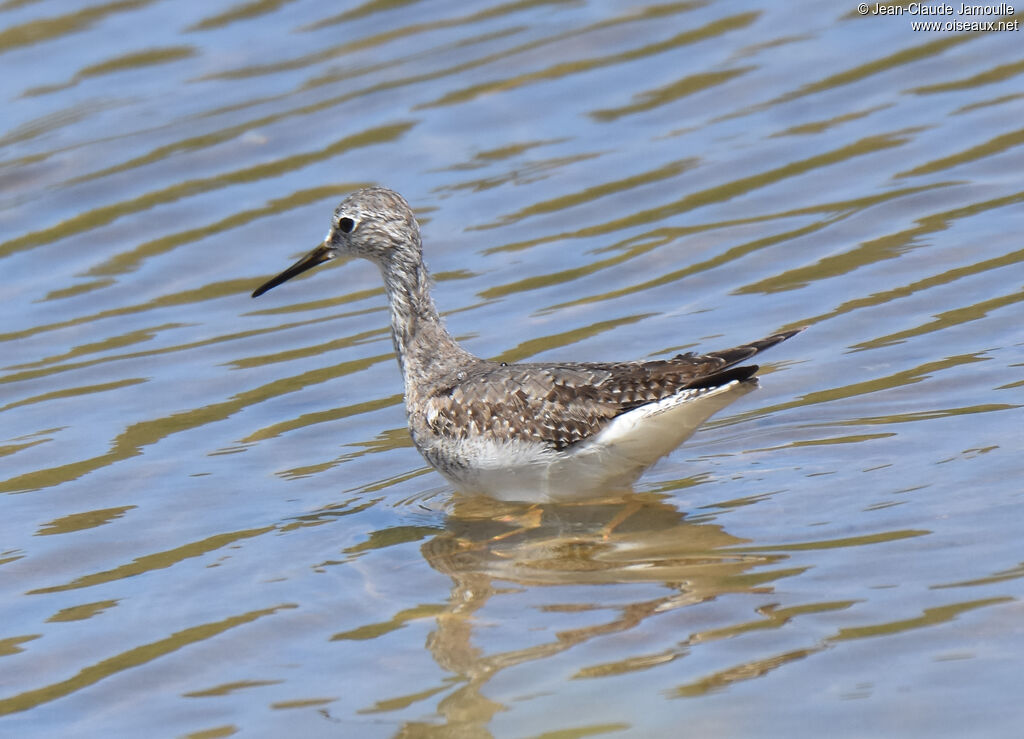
<point>561,404</point>
<point>551,404</point>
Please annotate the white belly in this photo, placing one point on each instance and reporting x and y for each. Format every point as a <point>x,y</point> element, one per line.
<point>609,462</point>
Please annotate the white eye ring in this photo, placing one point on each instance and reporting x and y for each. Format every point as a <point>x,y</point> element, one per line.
<point>347,225</point>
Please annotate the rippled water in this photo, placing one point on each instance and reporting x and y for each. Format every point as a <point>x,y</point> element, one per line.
<point>213,520</point>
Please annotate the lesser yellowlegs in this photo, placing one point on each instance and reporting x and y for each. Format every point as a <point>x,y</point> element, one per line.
<point>523,431</point>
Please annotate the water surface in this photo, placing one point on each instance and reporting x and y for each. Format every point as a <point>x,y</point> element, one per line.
<point>213,520</point>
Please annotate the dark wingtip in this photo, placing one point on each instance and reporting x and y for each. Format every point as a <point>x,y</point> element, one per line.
<point>717,379</point>
<point>769,341</point>
<point>742,353</point>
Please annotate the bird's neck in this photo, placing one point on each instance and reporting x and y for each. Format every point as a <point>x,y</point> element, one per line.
<point>424,347</point>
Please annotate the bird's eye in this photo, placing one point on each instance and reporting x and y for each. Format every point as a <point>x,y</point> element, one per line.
<point>346,225</point>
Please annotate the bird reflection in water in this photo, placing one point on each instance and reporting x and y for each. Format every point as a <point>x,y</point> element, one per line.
<point>491,548</point>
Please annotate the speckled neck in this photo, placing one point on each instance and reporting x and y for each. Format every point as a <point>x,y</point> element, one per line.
<point>425,349</point>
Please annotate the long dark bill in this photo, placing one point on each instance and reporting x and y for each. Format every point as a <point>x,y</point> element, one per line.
<point>321,254</point>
